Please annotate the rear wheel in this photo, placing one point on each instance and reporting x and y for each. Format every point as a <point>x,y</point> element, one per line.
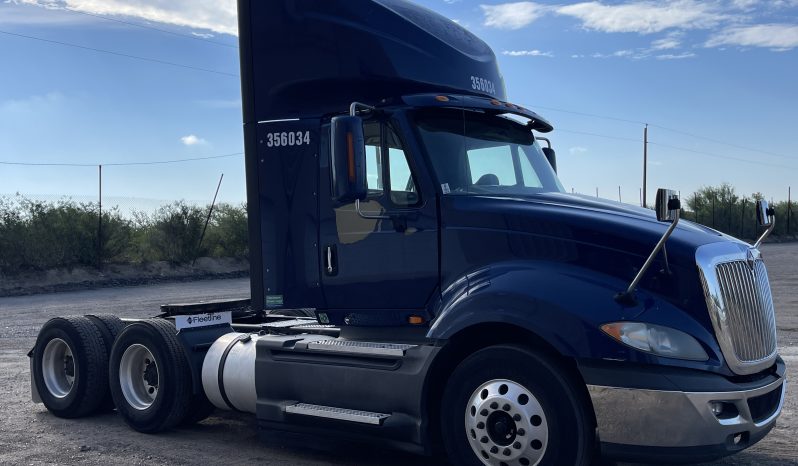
<point>507,405</point>
<point>150,377</point>
<point>69,366</point>
<point>109,326</point>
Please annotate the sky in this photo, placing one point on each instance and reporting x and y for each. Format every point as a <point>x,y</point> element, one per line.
<point>156,80</point>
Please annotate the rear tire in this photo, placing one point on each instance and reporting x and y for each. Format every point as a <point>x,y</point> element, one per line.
<point>150,378</point>
<point>109,326</point>
<point>508,405</point>
<point>70,366</point>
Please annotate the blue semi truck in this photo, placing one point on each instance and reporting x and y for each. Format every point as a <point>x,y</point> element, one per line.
<point>420,278</point>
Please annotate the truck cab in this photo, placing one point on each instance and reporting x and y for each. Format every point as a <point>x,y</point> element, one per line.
<point>420,277</point>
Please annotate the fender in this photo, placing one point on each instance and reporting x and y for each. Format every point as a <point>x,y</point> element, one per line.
<point>564,305</point>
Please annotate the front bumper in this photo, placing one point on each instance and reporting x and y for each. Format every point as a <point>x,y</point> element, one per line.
<point>668,417</point>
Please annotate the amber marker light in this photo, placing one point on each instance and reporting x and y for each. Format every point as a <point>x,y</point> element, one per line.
<point>442,98</point>
<point>415,320</point>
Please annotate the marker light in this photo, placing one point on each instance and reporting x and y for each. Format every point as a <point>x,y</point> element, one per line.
<point>442,98</point>
<point>656,339</point>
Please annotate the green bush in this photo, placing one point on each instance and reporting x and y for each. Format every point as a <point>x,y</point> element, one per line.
<point>721,208</point>
<point>38,235</point>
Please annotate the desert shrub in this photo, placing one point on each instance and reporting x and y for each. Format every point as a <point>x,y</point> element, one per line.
<point>228,232</point>
<point>172,233</point>
<point>37,235</point>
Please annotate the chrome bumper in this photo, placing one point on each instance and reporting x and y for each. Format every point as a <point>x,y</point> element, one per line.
<point>673,419</point>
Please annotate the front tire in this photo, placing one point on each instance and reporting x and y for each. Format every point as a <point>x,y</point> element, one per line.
<point>508,405</point>
<point>149,376</point>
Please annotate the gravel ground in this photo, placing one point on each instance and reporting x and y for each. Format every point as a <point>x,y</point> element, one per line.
<point>30,435</point>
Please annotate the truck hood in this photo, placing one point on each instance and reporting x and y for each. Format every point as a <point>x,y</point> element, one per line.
<point>601,235</point>
<point>608,224</point>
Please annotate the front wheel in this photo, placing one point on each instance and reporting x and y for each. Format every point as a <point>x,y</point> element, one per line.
<point>507,405</point>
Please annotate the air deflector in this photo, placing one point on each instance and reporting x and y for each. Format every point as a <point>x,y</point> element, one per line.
<point>314,57</point>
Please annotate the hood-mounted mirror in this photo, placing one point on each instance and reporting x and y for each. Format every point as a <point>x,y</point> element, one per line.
<point>765,217</point>
<point>668,208</point>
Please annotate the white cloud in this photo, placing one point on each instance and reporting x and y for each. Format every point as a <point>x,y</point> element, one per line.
<point>577,150</point>
<point>192,140</point>
<point>644,17</point>
<point>512,15</point>
<point>527,53</point>
<point>774,36</point>
<point>676,56</point>
<point>669,42</point>
<point>219,16</point>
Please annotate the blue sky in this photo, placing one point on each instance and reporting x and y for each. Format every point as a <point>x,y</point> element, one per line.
<point>723,70</point>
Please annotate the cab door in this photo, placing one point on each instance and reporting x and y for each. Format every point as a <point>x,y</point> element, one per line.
<point>382,253</point>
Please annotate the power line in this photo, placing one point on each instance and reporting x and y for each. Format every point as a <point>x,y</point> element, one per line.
<point>119,54</point>
<point>665,128</point>
<point>717,141</point>
<point>592,115</point>
<point>145,26</point>
<point>727,157</point>
<point>605,136</point>
<point>118,164</point>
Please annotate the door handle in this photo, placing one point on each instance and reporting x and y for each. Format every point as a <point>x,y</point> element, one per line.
<point>331,254</point>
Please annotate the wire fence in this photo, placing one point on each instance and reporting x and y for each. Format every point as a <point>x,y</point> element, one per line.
<point>120,214</point>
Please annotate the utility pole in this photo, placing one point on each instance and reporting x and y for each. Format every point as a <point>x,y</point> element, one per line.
<point>100,222</point>
<point>619,194</point>
<point>596,192</point>
<point>789,207</point>
<point>645,162</point>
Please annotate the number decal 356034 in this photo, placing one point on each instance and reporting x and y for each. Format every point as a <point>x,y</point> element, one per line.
<point>288,138</point>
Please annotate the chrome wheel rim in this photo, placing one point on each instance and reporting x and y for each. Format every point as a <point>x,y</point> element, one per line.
<point>505,424</point>
<point>139,377</point>
<point>58,368</point>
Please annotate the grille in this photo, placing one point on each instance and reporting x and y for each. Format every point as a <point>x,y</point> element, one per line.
<point>747,309</point>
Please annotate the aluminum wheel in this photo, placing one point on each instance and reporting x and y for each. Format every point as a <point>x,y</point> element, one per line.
<point>506,425</point>
<point>58,368</point>
<point>138,376</point>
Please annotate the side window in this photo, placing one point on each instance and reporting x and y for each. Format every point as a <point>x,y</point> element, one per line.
<point>386,159</point>
<point>403,186</point>
<point>371,133</point>
<point>531,178</point>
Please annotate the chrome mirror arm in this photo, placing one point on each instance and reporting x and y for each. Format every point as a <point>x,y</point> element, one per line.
<point>627,297</point>
<point>767,232</point>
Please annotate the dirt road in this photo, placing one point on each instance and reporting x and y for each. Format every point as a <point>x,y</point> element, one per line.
<point>30,435</point>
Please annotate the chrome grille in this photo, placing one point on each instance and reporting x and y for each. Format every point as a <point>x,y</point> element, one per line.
<point>748,305</point>
<point>740,304</point>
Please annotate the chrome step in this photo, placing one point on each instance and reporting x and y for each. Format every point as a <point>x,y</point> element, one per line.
<point>341,414</point>
<point>360,347</point>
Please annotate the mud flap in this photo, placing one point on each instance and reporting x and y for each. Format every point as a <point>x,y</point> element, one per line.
<point>34,390</point>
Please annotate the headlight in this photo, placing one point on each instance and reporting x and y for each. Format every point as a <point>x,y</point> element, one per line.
<point>656,339</point>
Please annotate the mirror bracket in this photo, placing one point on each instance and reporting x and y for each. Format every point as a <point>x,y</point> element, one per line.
<point>668,208</point>
<point>765,216</point>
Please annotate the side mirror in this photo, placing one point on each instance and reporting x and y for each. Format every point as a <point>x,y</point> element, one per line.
<point>764,213</point>
<point>551,157</point>
<point>348,159</point>
<point>667,205</point>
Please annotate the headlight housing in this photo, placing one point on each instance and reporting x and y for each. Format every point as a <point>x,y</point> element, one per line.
<point>656,339</point>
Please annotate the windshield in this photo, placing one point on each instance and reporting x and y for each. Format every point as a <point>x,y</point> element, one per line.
<point>476,153</point>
